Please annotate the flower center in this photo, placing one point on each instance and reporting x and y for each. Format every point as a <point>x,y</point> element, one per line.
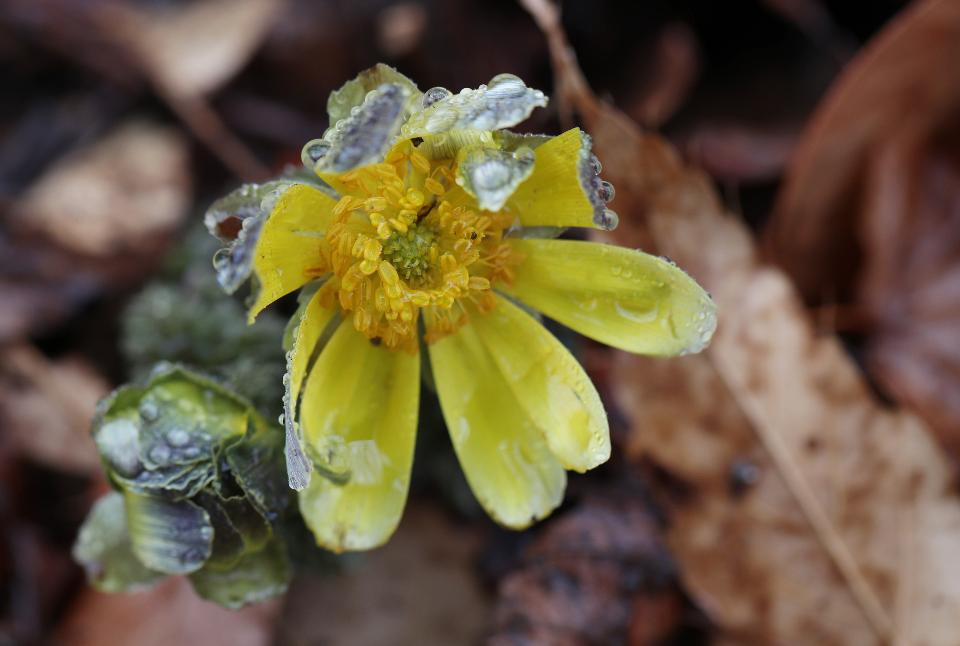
<point>413,254</point>
<point>407,241</point>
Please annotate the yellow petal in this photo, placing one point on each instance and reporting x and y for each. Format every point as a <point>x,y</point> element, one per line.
<point>624,298</point>
<point>563,190</point>
<point>288,252</point>
<point>506,460</point>
<point>314,321</point>
<point>359,418</point>
<point>549,384</point>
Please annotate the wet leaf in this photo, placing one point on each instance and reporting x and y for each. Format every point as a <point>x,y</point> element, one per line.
<point>256,577</point>
<point>103,549</point>
<point>804,510</point>
<point>167,535</point>
<point>869,213</point>
<point>584,576</point>
<point>257,463</point>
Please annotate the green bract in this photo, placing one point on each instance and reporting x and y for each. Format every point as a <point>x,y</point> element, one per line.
<point>200,485</point>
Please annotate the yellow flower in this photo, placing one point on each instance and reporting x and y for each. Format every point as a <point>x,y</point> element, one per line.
<point>430,232</point>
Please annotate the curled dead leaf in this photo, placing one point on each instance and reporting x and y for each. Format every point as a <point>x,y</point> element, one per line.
<point>813,513</point>
<point>870,211</point>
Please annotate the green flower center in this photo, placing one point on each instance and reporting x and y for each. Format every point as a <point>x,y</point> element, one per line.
<point>413,253</point>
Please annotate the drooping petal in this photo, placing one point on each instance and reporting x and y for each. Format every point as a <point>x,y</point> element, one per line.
<point>564,189</point>
<point>288,253</point>
<point>624,298</point>
<point>508,464</point>
<point>361,138</point>
<point>549,384</point>
<point>503,102</point>
<point>314,320</point>
<point>352,93</point>
<point>359,417</point>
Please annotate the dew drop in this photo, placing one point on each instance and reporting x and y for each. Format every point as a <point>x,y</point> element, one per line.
<point>596,165</point>
<point>636,314</point>
<point>607,192</point>
<point>609,220</point>
<point>506,86</point>
<point>149,412</point>
<point>178,437</point>
<point>314,151</point>
<point>159,454</point>
<point>435,94</point>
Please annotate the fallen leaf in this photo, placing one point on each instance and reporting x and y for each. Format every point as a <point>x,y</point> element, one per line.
<point>593,576</point>
<point>124,194</point>
<point>869,215</point>
<point>193,49</point>
<point>418,589</point>
<point>46,407</point>
<point>807,512</point>
<point>170,613</point>
<point>675,70</point>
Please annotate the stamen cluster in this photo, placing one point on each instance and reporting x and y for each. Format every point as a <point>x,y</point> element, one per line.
<point>406,241</point>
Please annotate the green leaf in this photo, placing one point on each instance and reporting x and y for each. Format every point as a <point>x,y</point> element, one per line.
<point>103,549</point>
<point>257,463</point>
<point>168,535</point>
<point>256,577</point>
<point>228,545</point>
<point>238,528</point>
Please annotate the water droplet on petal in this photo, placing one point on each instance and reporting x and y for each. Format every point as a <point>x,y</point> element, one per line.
<point>607,192</point>
<point>314,151</point>
<point>596,165</point>
<point>435,94</point>
<point>609,220</point>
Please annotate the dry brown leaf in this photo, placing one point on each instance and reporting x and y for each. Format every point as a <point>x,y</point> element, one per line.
<point>169,614</point>
<point>848,532</point>
<point>124,193</point>
<point>595,576</point>
<point>46,407</point>
<point>870,212</point>
<point>418,589</point>
<point>195,48</point>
